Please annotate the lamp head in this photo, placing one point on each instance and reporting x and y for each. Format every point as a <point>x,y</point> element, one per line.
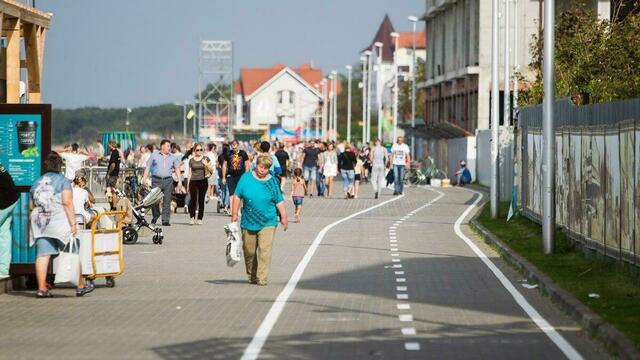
<point>395,35</point>
<point>378,44</point>
<point>367,53</point>
<point>348,67</point>
<point>413,18</point>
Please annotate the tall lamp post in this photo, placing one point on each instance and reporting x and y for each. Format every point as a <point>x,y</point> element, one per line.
<point>363,58</point>
<point>325,116</point>
<point>335,104</point>
<point>348,67</point>
<point>370,54</point>
<point>379,88</point>
<point>548,133</point>
<point>396,36</point>
<point>330,101</point>
<point>414,21</point>
<point>495,114</point>
<point>127,123</point>
<point>507,69</point>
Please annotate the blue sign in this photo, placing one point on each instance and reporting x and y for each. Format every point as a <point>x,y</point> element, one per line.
<point>21,146</point>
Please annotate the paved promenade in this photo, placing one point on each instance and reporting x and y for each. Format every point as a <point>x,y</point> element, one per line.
<point>393,282</point>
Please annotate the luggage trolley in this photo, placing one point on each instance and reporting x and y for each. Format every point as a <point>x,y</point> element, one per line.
<point>104,257</point>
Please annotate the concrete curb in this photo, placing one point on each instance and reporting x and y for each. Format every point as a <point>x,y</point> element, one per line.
<point>613,339</point>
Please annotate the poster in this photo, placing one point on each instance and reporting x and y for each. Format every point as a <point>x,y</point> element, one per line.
<point>21,146</point>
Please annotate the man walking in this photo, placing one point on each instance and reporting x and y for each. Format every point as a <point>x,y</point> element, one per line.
<point>161,165</point>
<point>235,164</point>
<point>401,157</point>
<point>310,165</point>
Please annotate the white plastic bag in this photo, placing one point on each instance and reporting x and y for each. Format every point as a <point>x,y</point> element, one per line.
<point>234,243</point>
<point>68,265</point>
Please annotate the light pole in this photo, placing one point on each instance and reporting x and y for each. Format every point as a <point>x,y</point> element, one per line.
<point>324,108</point>
<point>348,67</point>
<point>335,104</point>
<point>516,62</point>
<point>414,21</point>
<point>127,121</point>
<point>363,58</point>
<point>370,54</point>
<point>548,133</point>
<point>507,70</point>
<point>495,114</point>
<point>396,36</point>
<point>330,100</point>
<point>184,118</point>
<point>379,88</point>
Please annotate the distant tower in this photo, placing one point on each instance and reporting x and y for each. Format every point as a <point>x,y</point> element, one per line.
<point>215,88</point>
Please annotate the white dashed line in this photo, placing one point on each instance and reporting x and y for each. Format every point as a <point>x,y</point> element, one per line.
<point>401,280</point>
<point>399,272</point>
<point>412,346</point>
<point>397,266</point>
<point>395,254</point>
<point>402,296</point>
<point>408,331</point>
<point>404,306</point>
<point>395,260</point>
<point>401,288</point>
<point>405,317</point>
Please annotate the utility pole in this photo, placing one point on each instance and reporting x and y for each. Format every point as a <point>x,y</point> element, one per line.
<point>414,20</point>
<point>396,36</point>
<point>507,69</point>
<point>548,133</point>
<point>348,67</point>
<point>495,111</point>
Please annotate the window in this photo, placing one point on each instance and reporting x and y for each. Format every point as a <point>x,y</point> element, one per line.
<point>286,97</point>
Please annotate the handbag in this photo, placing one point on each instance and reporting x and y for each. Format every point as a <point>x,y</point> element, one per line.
<point>207,171</point>
<point>68,265</point>
<point>233,249</point>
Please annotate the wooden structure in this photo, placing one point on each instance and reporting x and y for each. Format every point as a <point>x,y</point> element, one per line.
<point>24,29</point>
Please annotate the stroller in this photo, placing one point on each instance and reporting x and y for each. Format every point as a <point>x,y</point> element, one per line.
<point>130,231</point>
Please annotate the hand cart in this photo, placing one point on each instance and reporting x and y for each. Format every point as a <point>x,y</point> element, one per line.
<point>102,254</point>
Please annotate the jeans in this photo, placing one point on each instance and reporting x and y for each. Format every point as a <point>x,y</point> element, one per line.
<point>377,178</point>
<point>166,186</point>
<point>349,177</point>
<point>198,191</point>
<point>320,184</point>
<point>398,178</point>
<point>224,193</point>
<point>310,173</point>
<point>6,216</point>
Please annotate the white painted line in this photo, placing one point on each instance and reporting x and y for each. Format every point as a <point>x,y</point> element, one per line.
<point>412,346</point>
<point>252,350</point>
<point>543,324</point>
<point>393,240</point>
<point>393,249</point>
<point>401,280</point>
<point>395,254</point>
<point>401,288</point>
<point>397,266</point>
<point>408,331</point>
<point>395,260</point>
<point>402,296</point>
<point>404,307</point>
<point>405,317</point>
<point>399,272</point>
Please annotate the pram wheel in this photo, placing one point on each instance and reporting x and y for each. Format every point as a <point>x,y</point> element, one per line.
<point>129,235</point>
<point>157,239</point>
<point>218,208</point>
<point>111,282</point>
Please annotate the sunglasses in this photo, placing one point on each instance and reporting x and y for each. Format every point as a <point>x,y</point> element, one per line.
<point>198,149</point>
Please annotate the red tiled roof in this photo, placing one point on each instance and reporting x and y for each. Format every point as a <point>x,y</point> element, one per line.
<point>406,40</point>
<point>251,79</point>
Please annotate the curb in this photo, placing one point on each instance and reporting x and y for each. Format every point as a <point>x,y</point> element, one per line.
<point>613,339</point>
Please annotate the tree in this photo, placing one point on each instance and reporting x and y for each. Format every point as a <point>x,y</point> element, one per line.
<point>404,100</point>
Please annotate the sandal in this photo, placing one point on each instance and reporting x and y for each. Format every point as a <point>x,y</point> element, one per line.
<point>41,294</point>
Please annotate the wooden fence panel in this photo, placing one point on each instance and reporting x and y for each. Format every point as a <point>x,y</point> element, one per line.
<point>612,191</point>
<point>627,186</point>
<point>595,189</point>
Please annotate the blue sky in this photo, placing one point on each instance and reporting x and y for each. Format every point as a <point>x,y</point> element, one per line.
<point>121,53</point>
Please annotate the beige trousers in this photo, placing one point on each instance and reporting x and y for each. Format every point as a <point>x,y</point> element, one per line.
<point>257,252</point>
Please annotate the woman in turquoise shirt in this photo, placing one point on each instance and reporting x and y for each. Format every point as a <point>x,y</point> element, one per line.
<point>261,202</point>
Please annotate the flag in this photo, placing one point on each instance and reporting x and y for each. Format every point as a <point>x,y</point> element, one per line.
<point>190,114</point>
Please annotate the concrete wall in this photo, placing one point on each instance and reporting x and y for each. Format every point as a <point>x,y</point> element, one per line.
<point>264,107</point>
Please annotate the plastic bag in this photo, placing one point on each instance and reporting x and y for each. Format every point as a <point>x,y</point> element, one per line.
<point>68,265</point>
<point>234,243</point>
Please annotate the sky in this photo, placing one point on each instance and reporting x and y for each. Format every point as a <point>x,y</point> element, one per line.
<point>128,53</point>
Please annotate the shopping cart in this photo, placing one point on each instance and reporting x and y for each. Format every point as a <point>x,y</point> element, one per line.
<point>103,258</point>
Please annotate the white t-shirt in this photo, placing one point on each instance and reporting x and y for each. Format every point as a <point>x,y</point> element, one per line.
<point>73,162</point>
<point>80,198</point>
<point>400,152</point>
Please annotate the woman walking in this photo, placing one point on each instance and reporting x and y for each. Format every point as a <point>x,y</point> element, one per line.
<point>261,202</point>
<point>378,157</point>
<point>197,184</point>
<point>347,162</point>
<point>329,167</point>
<point>53,224</point>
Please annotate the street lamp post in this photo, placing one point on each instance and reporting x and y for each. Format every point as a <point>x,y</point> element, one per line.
<point>379,88</point>
<point>414,21</point>
<point>495,119</point>
<point>364,96</point>
<point>548,166</point>
<point>335,104</point>
<point>507,69</point>
<point>330,100</point>
<point>348,67</point>
<point>370,54</point>
<point>396,36</point>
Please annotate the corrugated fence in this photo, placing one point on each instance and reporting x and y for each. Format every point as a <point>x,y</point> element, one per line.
<point>597,166</point>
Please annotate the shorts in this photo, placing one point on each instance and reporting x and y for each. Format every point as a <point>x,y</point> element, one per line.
<point>310,173</point>
<point>357,177</point>
<point>112,181</point>
<point>297,201</point>
<point>48,246</point>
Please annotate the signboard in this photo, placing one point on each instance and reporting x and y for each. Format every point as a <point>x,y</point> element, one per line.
<point>25,138</point>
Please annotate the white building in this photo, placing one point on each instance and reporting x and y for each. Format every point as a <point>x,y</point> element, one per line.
<point>278,96</point>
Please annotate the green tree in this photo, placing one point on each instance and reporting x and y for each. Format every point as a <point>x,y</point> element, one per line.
<point>404,100</point>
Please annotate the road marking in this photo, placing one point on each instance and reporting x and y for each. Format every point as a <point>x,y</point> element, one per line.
<point>395,254</point>
<point>408,331</point>
<point>401,288</point>
<point>252,350</point>
<point>405,317</point>
<point>393,249</point>
<point>402,296</point>
<point>399,272</point>
<point>395,260</point>
<point>412,346</point>
<point>401,280</point>
<point>543,324</point>
<point>404,307</point>
<point>393,240</point>
<point>397,266</point>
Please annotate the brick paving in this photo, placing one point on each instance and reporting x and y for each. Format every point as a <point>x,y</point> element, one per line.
<point>181,301</point>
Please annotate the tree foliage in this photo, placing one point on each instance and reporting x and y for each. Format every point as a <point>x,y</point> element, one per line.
<point>596,60</point>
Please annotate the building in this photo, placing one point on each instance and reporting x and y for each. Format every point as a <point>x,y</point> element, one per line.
<point>278,97</point>
<point>24,29</point>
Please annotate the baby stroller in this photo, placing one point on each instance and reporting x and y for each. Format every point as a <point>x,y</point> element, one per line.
<point>130,232</point>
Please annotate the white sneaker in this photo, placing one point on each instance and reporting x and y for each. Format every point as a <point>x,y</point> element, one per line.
<point>199,222</point>
<point>192,221</point>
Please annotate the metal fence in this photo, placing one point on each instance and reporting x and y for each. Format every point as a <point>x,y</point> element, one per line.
<point>597,163</point>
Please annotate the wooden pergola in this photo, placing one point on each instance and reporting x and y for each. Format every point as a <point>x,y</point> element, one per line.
<point>22,23</point>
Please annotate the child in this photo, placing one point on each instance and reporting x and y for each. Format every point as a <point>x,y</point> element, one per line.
<point>298,189</point>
